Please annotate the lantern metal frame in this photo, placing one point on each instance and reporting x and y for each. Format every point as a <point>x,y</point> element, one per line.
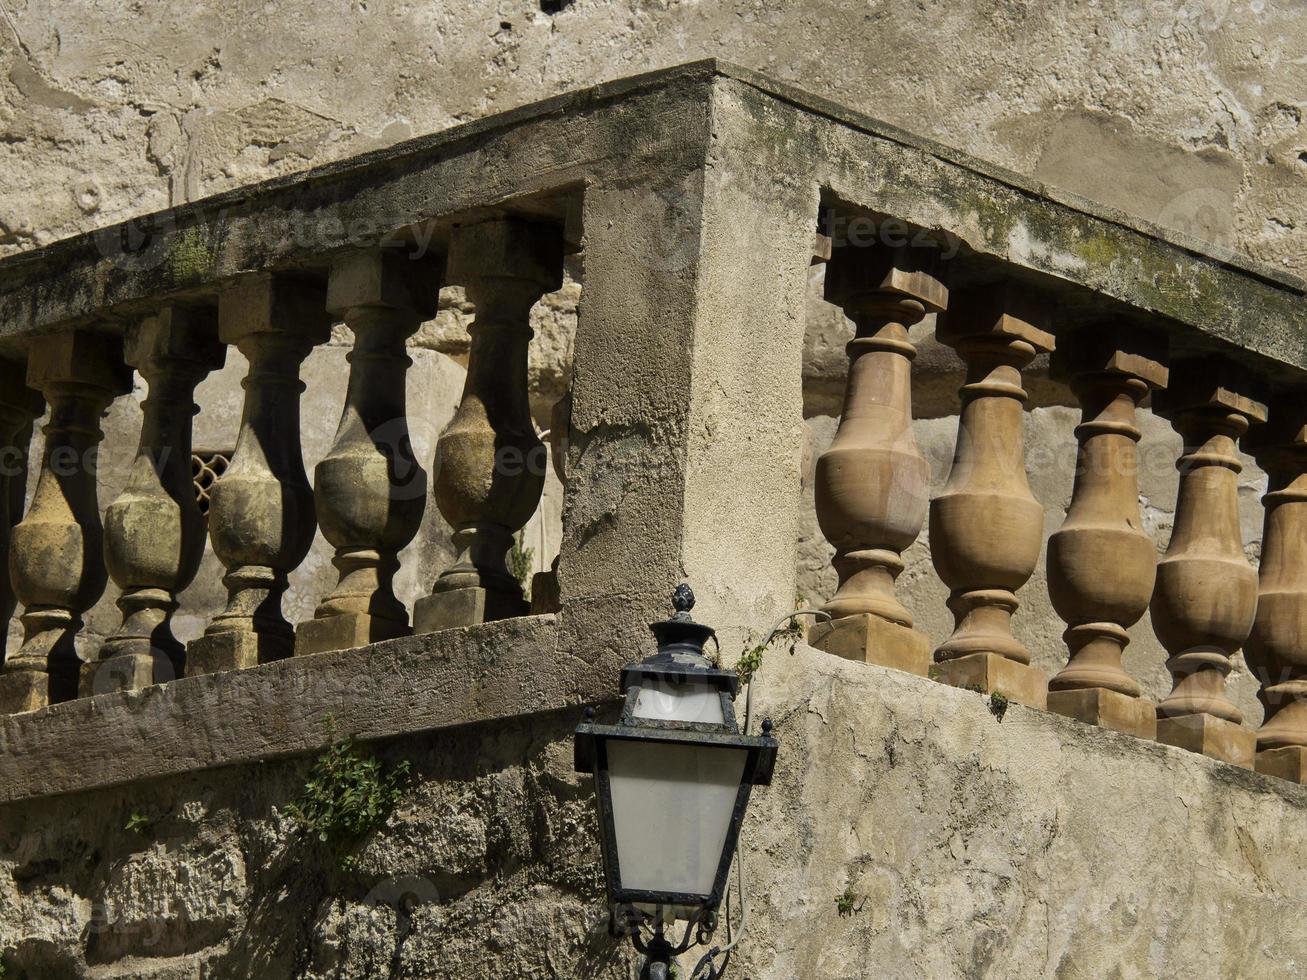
<point>679,661</point>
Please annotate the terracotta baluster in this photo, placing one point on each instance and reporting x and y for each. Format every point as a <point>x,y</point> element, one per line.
<point>261,517</point>
<point>485,481</point>
<point>19,405</point>
<point>370,491</point>
<point>1102,564</point>
<point>154,531</point>
<point>1277,647</point>
<point>544,585</point>
<point>56,563</point>
<point>986,527</point>
<point>872,484</point>
<point>1206,594</point>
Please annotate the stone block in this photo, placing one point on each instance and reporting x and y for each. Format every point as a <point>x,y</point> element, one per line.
<point>1289,762</point>
<point>465,607</point>
<point>1213,737</point>
<point>214,652</point>
<point>23,690</point>
<point>993,674</point>
<point>125,672</point>
<point>1107,709</point>
<point>344,632</point>
<point>873,640</point>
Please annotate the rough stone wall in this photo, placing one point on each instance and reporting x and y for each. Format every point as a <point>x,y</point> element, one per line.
<point>971,845</point>
<point>1189,112</point>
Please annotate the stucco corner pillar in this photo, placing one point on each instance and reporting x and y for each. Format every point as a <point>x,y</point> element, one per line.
<point>685,434</point>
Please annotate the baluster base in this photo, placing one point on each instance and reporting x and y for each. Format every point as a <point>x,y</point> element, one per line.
<point>466,607</point>
<point>1213,737</point>
<point>233,650</point>
<point>125,672</point>
<point>345,631</point>
<point>990,673</point>
<point>1107,709</point>
<point>872,640</point>
<point>23,690</point>
<point>1288,762</point>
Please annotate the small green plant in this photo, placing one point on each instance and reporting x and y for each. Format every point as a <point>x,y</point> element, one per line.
<point>520,561</point>
<point>137,823</point>
<point>348,794</point>
<point>847,904</point>
<point>998,705</point>
<point>751,658</point>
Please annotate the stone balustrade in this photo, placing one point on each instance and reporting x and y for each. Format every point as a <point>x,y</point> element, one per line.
<point>677,438</point>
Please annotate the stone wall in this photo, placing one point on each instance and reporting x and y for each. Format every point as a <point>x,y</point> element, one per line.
<point>971,844</point>
<point>1189,112</point>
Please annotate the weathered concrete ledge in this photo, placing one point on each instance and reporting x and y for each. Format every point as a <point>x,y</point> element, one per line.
<point>437,680</point>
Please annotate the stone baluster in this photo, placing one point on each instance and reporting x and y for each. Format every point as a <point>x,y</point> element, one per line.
<point>986,527</point>
<point>1102,564</point>
<point>56,563</point>
<point>154,531</point>
<point>1277,647</point>
<point>545,596</point>
<point>370,491</point>
<point>19,405</point>
<point>486,484</point>
<point>1206,594</point>
<point>261,517</point>
<point>873,484</point>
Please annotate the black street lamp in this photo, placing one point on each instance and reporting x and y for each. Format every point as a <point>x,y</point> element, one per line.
<point>672,778</point>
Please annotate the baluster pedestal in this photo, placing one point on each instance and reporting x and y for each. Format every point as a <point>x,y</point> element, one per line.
<point>1206,596</point>
<point>1276,650</point>
<point>19,405</point>
<point>56,561</point>
<point>986,527</point>
<point>261,517</point>
<point>872,485</point>
<point>370,491</point>
<point>488,474</point>
<point>154,531</point>
<point>1102,564</point>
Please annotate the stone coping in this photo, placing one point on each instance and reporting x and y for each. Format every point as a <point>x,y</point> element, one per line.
<point>456,677</point>
<point>539,158</point>
<point>301,704</point>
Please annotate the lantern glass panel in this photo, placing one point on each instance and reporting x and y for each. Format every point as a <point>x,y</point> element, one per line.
<point>672,808</point>
<point>685,701</point>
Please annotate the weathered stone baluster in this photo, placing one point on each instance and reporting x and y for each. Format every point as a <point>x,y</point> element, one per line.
<point>545,597</point>
<point>261,517</point>
<point>56,562</point>
<point>1101,563</point>
<point>370,491</point>
<point>19,405</point>
<point>154,531</point>
<point>487,479</point>
<point>986,527</point>
<point>1277,647</point>
<point>1206,595</point>
<point>873,484</point>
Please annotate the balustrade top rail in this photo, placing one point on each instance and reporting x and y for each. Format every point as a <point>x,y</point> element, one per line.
<point>628,130</point>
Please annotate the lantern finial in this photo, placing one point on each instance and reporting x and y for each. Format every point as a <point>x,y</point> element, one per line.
<point>683,601</point>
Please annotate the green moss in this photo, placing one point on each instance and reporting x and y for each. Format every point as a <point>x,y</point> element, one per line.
<point>190,258</point>
<point>1097,251</point>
